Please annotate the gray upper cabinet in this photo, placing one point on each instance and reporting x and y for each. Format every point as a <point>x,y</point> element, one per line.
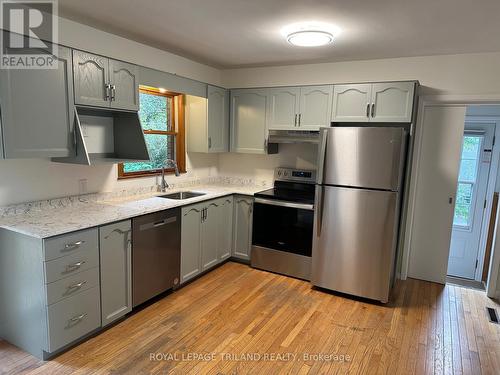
<point>37,110</point>
<point>104,82</point>
<point>116,270</point>
<point>351,103</point>
<point>392,102</point>
<point>377,102</point>
<point>218,119</point>
<point>284,108</point>
<point>91,75</point>
<point>315,107</point>
<point>124,80</point>
<point>242,234</point>
<point>248,121</point>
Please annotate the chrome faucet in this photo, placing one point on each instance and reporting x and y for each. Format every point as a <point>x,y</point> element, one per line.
<point>168,163</point>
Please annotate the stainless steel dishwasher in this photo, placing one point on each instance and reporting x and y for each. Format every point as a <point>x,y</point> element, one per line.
<point>156,254</point>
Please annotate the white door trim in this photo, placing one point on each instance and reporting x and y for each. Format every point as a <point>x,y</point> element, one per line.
<point>447,100</point>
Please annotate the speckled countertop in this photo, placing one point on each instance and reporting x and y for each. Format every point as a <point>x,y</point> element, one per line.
<point>54,217</point>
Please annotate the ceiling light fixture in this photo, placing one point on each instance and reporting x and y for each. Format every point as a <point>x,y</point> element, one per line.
<point>310,34</point>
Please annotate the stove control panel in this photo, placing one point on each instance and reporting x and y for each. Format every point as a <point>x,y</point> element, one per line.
<point>295,175</point>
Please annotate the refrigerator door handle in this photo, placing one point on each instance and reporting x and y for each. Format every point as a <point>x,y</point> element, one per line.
<point>319,209</point>
<point>321,154</point>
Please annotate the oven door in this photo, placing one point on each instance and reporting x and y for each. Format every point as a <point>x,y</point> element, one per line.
<point>284,226</point>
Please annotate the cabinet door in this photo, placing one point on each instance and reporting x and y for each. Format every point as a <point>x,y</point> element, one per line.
<point>392,102</point>
<point>209,235</point>
<point>91,76</point>
<point>351,103</point>
<point>124,79</point>
<point>225,228</point>
<point>315,107</point>
<point>37,110</point>
<point>191,242</point>
<point>218,119</point>
<point>243,213</point>
<point>248,121</point>
<point>284,108</point>
<point>116,270</point>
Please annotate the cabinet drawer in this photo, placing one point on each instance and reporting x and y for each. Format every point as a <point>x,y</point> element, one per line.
<point>70,243</point>
<point>73,318</point>
<point>72,285</point>
<point>70,265</point>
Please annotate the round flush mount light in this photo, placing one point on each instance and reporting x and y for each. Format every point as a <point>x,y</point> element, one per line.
<point>310,34</point>
<point>310,38</point>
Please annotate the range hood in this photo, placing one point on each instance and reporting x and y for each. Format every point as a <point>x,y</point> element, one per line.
<point>293,136</point>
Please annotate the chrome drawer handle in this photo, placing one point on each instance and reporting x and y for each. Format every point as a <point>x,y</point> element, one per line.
<point>74,266</point>
<point>77,318</point>
<point>71,246</point>
<point>77,286</point>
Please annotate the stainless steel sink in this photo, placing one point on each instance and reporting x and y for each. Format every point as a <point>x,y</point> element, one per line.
<point>182,195</point>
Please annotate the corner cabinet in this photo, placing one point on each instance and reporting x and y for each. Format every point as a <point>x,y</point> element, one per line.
<point>207,121</point>
<point>37,110</point>
<point>116,270</point>
<point>103,82</point>
<point>242,233</point>
<point>377,102</point>
<point>206,236</point>
<point>248,121</point>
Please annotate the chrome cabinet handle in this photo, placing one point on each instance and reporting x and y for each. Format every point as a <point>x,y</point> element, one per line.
<point>300,118</point>
<point>107,88</point>
<point>209,142</point>
<point>367,109</point>
<point>74,245</point>
<point>265,144</point>
<point>77,318</point>
<point>373,110</point>
<point>295,124</point>
<point>113,92</point>
<point>76,286</point>
<point>74,266</point>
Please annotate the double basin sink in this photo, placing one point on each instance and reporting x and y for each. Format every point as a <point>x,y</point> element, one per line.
<point>182,195</point>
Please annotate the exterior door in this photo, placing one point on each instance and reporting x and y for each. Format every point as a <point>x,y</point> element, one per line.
<point>38,110</point>
<point>248,121</point>
<point>91,76</point>
<point>124,80</point>
<point>116,270</point>
<point>392,102</point>
<point>436,184</point>
<point>315,107</point>
<point>284,108</point>
<point>351,103</point>
<point>218,119</point>
<point>471,195</point>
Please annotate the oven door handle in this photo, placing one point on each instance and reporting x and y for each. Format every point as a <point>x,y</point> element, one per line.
<point>302,206</point>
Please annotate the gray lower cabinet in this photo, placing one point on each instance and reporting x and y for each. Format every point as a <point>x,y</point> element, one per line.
<point>37,110</point>
<point>115,252</point>
<point>206,236</point>
<point>60,299</point>
<point>242,231</point>
<point>104,82</point>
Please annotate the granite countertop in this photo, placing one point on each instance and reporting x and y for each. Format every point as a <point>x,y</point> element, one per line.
<point>42,221</point>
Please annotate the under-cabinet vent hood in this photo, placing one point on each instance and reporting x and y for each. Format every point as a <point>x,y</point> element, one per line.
<point>293,136</point>
<point>106,137</point>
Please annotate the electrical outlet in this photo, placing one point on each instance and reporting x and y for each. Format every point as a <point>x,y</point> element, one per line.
<point>82,186</point>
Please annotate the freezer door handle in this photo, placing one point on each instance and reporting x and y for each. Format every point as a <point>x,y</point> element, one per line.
<point>321,154</point>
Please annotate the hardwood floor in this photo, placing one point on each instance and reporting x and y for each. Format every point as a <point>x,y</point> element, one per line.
<point>237,311</point>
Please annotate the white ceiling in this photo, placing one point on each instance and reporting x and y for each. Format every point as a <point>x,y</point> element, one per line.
<point>237,33</point>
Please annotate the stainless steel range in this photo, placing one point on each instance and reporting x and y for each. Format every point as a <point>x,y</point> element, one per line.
<point>283,221</point>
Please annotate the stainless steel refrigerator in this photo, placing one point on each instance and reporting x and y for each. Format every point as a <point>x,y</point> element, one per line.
<point>360,173</point>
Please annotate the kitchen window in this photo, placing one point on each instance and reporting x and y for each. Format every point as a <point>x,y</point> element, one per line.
<point>162,119</point>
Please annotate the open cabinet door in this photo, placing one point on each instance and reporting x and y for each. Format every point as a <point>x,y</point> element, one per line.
<point>442,129</point>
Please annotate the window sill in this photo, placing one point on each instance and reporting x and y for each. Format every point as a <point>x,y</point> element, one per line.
<point>127,176</point>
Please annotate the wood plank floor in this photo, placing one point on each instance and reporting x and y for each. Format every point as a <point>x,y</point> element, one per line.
<point>236,315</point>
